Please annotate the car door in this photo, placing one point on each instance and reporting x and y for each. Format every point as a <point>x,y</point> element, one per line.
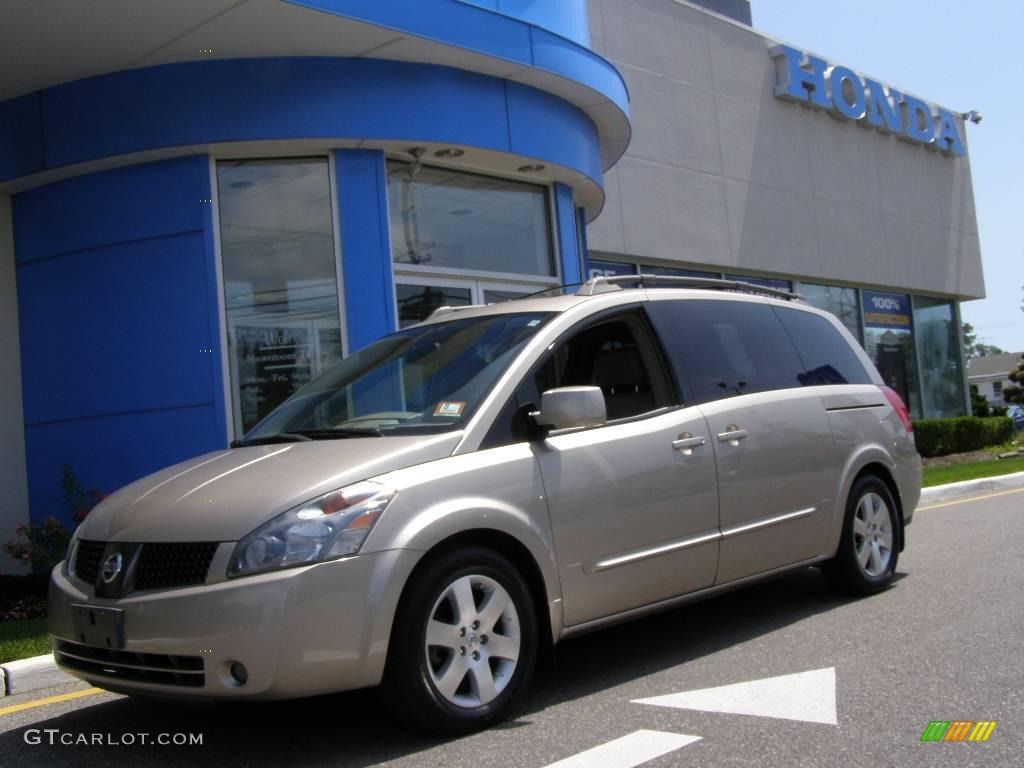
<point>634,503</point>
<point>771,436</point>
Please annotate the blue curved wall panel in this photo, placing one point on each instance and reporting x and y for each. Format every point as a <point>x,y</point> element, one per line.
<point>567,18</point>
<point>117,305</point>
<point>295,98</point>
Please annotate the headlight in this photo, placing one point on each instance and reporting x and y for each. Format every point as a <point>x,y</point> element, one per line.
<point>333,525</point>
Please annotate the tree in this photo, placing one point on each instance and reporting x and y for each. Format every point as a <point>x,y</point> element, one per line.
<point>979,403</point>
<point>974,348</point>
<point>1015,392</point>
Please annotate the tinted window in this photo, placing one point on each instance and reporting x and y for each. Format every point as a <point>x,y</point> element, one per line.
<point>726,348</point>
<point>826,355</point>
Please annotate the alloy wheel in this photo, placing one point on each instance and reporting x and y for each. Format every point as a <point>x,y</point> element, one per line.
<point>472,641</point>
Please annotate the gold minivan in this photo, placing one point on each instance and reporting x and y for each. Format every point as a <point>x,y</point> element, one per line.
<point>443,505</point>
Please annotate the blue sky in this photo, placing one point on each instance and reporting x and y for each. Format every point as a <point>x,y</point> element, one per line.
<point>960,54</point>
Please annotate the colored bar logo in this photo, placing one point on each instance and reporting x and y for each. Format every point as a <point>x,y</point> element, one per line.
<point>958,730</point>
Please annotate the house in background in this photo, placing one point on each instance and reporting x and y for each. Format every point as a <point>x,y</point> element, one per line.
<point>992,374</point>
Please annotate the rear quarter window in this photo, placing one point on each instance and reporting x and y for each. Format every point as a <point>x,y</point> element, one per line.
<point>826,355</point>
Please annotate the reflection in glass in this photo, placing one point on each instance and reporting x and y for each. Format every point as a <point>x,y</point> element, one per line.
<point>280,286</point>
<point>444,218</point>
<point>417,302</point>
<point>939,345</point>
<point>841,302</point>
<point>494,296</point>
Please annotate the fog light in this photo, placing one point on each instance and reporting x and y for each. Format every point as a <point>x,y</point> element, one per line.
<point>239,673</point>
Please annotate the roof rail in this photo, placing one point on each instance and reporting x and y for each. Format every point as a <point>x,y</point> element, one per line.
<point>448,310</point>
<point>602,284</point>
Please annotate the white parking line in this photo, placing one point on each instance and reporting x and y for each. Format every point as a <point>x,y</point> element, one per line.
<point>628,751</point>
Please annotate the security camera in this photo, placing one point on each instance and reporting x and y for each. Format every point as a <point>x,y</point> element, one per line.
<point>974,116</point>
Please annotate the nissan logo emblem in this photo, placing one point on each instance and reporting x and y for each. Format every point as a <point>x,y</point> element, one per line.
<point>112,567</point>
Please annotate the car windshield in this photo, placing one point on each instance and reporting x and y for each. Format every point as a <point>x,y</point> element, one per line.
<point>428,378</point>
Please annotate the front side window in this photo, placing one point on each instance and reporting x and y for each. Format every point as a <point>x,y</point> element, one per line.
<point>280,279</point>
<point>428,378</point>
<point>449,219</point>
<point>615,355</point>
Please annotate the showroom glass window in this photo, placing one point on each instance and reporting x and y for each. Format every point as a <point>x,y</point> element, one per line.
<point>461,238</point>
<point>280,279</point>
<point>841,302</point>
<point>938,346</point>
<point>889,341</point>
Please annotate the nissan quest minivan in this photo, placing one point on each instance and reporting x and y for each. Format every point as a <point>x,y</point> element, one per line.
<point>441,507</point>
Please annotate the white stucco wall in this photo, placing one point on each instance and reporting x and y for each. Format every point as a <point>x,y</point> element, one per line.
<point>721,173</point>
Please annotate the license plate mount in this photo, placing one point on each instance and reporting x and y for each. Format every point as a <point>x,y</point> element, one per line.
<point>100,627</point>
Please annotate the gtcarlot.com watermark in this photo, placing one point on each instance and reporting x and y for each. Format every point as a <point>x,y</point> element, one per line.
<point>54,736</point>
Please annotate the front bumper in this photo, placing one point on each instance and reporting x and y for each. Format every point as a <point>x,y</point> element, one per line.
<point>300,631</point>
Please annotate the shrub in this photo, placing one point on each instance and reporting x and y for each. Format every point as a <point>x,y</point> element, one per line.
<point>939,437</point>
<point>42,545</point>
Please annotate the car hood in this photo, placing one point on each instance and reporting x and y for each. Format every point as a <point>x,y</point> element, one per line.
<point>223,496</point>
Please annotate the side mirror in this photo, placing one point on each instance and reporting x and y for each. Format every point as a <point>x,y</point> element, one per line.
<point>567,407</point>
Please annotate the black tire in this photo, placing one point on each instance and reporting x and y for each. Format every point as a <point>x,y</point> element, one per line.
<point>410,685</point>
<point>845,572</point>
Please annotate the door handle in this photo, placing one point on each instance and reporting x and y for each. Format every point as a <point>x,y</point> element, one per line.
<point>686,442</point>
<point>732,434</point>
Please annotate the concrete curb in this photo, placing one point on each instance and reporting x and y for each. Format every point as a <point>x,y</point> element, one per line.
<point>30,674</point>
<point>42,672</point>
<point>953,491</point>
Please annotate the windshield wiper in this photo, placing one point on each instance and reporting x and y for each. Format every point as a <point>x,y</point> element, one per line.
<point>339,433</point>
<point>281,437</point>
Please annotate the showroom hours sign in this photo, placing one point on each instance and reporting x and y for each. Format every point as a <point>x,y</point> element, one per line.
<point>273,362</point>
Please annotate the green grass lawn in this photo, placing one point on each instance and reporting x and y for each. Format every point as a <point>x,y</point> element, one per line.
<point>22,639</point>
<point>957,472</point>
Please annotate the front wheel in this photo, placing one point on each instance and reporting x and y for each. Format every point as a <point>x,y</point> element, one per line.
<point>866,560</point>
<point>464,643</point>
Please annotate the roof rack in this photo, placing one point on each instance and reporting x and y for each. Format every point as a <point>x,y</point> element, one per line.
<point>450,310</point>
<point>603,284</point>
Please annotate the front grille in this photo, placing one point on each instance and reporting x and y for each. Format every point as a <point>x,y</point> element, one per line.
<point>173,565</point>
<point>186,671</point>
<point>87,559</point>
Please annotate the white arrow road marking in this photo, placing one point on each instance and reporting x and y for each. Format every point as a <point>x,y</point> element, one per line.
<point>634,749</point>
<point>808,696</point>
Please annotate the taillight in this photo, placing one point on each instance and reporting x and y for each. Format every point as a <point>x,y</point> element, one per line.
<point>897,405</point>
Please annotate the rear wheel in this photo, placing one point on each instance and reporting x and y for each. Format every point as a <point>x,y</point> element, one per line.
<point>464,643</point>
<point>866,560</point>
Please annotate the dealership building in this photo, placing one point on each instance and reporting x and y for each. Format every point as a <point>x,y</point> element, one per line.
<point>205,203</point>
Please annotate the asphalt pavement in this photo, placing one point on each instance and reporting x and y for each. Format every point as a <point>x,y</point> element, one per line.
<point>945,643</point>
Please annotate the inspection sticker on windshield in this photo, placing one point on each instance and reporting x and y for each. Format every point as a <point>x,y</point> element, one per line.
<point>449,409</point>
